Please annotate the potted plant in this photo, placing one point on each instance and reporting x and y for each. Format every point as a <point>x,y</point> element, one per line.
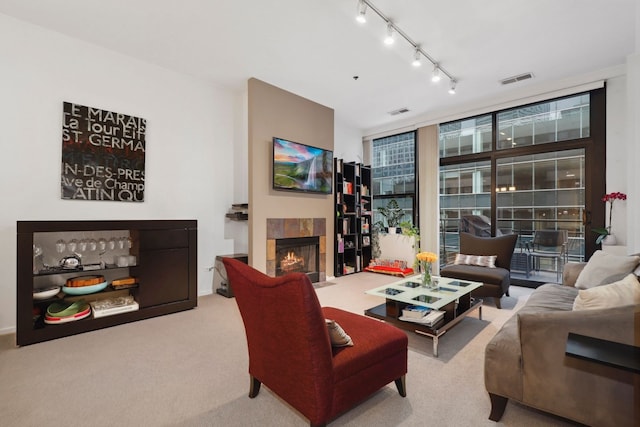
<point>604,233</point>
<point>392,213</point>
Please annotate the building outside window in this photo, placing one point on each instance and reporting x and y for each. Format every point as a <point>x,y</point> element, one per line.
<point>519,171</point>
<point>393,171</point>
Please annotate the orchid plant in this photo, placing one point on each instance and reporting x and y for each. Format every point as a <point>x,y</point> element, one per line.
<point>606,231</point>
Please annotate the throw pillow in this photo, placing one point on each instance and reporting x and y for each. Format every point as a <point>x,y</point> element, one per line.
<point>604,268</point>
<point>624,292</point>
<point>479,260</point>
<point>338,336</point>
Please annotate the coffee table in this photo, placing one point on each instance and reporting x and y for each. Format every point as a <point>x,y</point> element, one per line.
<point>453,296</point>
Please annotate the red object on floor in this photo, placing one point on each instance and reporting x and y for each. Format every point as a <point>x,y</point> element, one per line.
<point>290,351</point>
<point>394,271</point>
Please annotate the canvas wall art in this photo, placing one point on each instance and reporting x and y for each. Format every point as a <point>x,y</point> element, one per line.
<point>103,155</point>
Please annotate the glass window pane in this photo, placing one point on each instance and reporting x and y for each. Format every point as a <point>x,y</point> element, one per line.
<point>549,121</point>
<point>393,173</point>
<point>466,136</point>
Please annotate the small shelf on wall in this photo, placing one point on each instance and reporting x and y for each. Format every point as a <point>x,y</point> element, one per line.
<point>239,212</point>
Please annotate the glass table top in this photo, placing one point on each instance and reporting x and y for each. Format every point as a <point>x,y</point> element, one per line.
<point>409,290</point>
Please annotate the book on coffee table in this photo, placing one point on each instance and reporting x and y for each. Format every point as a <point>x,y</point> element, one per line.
<point>430,319</point>
<point>415,311</point>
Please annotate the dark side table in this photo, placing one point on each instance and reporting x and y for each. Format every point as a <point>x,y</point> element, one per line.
<point>614,354</point>
<point>225,289</point>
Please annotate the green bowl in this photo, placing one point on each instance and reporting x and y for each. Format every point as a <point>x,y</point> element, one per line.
<point>65,308</point>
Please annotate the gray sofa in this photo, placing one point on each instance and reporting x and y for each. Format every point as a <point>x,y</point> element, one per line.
<point>526,362</point>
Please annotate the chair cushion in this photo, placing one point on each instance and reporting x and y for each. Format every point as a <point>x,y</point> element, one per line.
<point>375,342</point>
<point>494,276</point>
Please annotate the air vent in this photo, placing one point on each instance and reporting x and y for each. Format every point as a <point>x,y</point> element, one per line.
<point>399,111</point>
<point>515,79</point>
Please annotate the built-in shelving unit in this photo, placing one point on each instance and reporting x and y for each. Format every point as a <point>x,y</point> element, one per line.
<point>353,217</point>
<point>158,256</point>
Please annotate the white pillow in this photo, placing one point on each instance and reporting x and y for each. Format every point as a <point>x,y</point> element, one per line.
<point>479,260</point>
<point>603,265</point>
<point>624,292</point>
<point>337,335</point>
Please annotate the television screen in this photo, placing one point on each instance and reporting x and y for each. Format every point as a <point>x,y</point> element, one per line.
<point>299,167</point>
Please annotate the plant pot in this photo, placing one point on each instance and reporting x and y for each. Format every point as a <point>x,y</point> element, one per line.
<point>391,230</point>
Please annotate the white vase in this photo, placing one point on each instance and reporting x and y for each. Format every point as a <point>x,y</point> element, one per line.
<point>392,230</point>
<point>609,240</point>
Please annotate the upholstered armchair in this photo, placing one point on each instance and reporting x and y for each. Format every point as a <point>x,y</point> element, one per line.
<point>291,353</point>
<point>496,280</point>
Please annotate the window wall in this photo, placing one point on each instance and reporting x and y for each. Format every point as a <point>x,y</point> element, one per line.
<point>522,170</point>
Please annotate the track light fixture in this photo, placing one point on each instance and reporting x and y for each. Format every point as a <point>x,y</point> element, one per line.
<point>435,74</point>
<point>392,28</point>
<point>416,58</point>
<point>361,17</point>
<point>389,39</point>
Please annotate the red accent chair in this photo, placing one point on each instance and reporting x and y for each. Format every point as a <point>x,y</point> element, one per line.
<point>290,350</point>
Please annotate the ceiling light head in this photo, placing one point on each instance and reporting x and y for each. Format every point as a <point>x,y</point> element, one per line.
<point>361,17</point>
<point>389,39</point>
<point>435,75</point>
<point>416,58</point>
<point>452,87</point>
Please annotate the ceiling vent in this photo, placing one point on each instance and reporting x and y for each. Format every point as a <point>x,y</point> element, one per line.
<point>515,79</point>
<point>399,111</point>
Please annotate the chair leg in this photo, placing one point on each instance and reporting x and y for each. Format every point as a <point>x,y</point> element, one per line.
<point>498,405</point>
<point>498,303</point>
<point>401,386</point>
<point>254,387</point>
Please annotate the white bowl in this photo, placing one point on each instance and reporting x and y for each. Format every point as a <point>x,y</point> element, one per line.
<point>46,292</point>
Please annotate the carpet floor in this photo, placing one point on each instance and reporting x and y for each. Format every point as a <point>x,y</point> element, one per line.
<point>190,369</point>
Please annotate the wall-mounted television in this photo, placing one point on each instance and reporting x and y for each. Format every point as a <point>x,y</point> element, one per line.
<point>300,167</point>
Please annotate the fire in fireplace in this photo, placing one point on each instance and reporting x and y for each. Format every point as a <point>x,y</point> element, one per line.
<point>299,254</point>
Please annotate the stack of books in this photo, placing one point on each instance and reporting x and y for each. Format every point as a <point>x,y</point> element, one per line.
<point>430,318</point>
<point>415,311</point>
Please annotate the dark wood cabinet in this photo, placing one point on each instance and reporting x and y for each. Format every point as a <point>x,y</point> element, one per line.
<point>160,254</point>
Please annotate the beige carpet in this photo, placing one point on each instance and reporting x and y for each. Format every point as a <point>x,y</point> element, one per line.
<point>190,369</point>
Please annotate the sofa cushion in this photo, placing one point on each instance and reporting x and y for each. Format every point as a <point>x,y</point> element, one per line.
<point>604,268</point>
<point>623,292</point>
<point>550,297</point>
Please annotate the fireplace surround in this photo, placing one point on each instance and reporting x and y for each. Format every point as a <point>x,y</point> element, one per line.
<point>291,228</point>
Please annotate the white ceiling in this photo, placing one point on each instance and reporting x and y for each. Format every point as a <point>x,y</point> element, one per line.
<point>315,48</point>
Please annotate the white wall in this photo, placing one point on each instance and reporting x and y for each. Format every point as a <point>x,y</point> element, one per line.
<point>190,156</point>
<point>347,143</point>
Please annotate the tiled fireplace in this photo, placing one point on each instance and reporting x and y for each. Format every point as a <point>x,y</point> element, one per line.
<point>297,244</point>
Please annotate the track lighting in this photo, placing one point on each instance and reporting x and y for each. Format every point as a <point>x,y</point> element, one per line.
<point>389,39</point>
<point>416,58</point>
<point>435,74</point>
<point>452,87</point>
<point>361,17</point>
<point>438,71</point>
